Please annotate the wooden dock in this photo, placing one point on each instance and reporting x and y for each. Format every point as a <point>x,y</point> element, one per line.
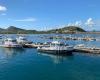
<point>89,50</point>
<point>33,45</point>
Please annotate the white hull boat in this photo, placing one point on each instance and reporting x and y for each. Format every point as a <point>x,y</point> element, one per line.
<point>11,43</point>
<point>56,48</point>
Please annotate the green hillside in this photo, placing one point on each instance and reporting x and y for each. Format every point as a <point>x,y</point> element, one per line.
<point>15,30</point>
<point>69,29</point>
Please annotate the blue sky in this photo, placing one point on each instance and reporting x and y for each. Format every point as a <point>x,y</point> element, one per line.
<point>48,14</point>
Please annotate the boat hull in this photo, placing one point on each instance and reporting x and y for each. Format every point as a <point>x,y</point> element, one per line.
<point>12,46</point>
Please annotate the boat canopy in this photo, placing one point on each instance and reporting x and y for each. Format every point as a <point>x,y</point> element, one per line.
<point>22,38</point>
<point>58,43</point>
<point>10,40</point>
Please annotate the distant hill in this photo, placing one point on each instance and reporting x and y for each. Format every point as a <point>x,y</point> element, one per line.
<point>73,29</point>
<point>1,29</point>
<point>12,28</point>
<point>69,29</point>
<point>15,30</point>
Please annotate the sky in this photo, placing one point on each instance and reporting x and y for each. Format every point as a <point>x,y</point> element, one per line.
<point>50,14</point>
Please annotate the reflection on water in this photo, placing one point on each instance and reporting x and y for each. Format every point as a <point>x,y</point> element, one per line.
<point>57,58</point>
<point>11,52</point>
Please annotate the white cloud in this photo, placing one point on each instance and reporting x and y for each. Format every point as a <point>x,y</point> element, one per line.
<point>77,23</point>
<point>26,20</point>
<point>3,8</point>
<point>71,24</point>
<point>90,22</point>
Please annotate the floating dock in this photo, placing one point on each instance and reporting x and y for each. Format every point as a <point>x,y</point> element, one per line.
<point>33,45</point>
<point>88,50</point>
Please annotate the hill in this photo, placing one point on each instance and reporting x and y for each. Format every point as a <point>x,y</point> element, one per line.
<point>69,29</point>
<point>15,30</point>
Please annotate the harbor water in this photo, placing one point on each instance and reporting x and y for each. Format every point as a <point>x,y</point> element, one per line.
<point>29,64</point>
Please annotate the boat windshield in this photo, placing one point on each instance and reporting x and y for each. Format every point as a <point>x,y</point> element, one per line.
<point>61,44</point>
<point>13,40</point>
<point>22,38</point>
<point>10,40</point>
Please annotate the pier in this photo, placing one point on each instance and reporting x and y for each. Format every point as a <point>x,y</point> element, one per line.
<point>85,49</point>
<point>95,51</point>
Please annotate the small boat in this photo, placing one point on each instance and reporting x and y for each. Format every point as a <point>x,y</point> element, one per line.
<point>23,40</point>
<point>56,47</point>
<point>83,46</point>
<point>80,46</point>
<point>10,43</point>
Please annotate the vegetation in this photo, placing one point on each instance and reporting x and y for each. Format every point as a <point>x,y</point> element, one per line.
<point>69,29</point>
<point>15,30</point>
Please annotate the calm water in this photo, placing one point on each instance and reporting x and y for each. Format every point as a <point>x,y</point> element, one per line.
<point>28,64</point>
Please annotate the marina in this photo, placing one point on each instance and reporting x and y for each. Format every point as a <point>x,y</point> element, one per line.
<point>71,37</point>
<point>49,39</point>
<point>20,62</point>
<point>50,46</point>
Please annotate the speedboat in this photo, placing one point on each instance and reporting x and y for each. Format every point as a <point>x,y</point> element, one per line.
<point>80,46</point>
<point>23,40</point>
<point>11,43</point>
<point>56,47</point>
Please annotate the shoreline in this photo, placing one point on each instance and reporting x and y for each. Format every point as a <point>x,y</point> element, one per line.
<point>57,33</point>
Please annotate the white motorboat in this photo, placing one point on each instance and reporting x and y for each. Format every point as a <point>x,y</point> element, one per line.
<point>56,47</point>
<point>11,43</point>
<point>23,40</point>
